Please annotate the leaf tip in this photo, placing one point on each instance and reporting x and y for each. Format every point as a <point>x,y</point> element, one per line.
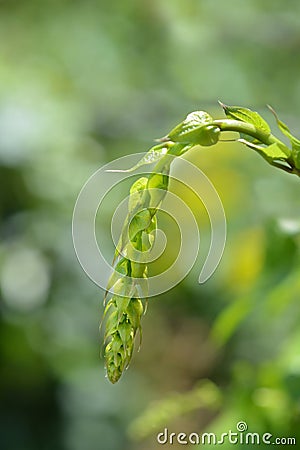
<point>162,139</point>
<point>273,111</point>
<point>222,105</point>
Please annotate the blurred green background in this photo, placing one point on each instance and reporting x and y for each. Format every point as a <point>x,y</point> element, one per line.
<point>81,83</point>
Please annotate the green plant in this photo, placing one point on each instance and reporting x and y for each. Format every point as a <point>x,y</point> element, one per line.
<point>128,282</point>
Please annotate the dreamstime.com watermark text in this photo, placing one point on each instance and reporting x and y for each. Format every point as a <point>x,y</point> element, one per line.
<point>240,436</point>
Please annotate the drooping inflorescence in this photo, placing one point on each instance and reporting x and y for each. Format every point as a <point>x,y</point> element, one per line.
<point>129,280</point>
<point>127,286</point>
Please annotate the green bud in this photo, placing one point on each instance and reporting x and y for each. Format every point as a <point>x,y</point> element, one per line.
<point>120,286</point>
<point>139,185</point>
<point>123,287</point>
<point>116,343</point>
<point>197,129</point>
<point>139,222</point>
<point>137,269</point>
<point>121,328</point>
<point>122,266</point>
<point>207,136</point>
<point>136,192</point>
<point>121,304</point>
<point>158,181</point>
<point>125,330</point>
<point>111,323</point>
<point>147,240</point>
<point>135,311</point>
<point>113,364</point>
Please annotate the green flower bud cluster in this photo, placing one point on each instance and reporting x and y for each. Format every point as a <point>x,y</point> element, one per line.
<point>121,327</point>
<point>125,308</point>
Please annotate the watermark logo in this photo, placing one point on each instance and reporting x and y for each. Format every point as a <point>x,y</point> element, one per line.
<point>239,436</point>
<point>89,249</point>
<point>241,426</point>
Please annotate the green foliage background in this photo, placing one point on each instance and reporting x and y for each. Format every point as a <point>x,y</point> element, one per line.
<point>81,83</point>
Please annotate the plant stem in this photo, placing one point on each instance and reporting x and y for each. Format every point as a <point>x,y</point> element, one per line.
<point>247,128</point>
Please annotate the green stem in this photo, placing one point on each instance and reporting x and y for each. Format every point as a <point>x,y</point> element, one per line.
<point>247,128</point>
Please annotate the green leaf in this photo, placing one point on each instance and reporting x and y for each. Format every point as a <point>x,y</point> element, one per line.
<point>197,129</point>
<point>139,185</point>
<point>285,129</point>
<point>294,141</point>
<point>274,152</point>
<point>153,155</point>
<point>248,116</point>
<point>296,158</point>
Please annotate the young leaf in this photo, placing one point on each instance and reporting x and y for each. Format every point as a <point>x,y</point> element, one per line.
<point>197,128</point>
<point>296,158</point>
<point>276,151</point>
<point>285,129</point>
<point>153,155</point>
<point>139,185</point>
<point>273,152</point>
<point>294,141</point>
<point>248,116</point>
